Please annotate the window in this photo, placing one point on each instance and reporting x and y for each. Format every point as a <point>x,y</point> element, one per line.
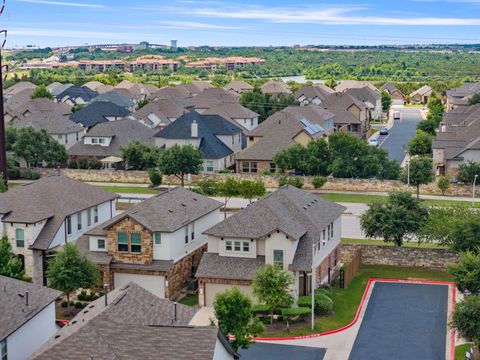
<point>95,214</point>
<point>192,232</point>
<point>79,221</point>
<point>101,244</point>
<point>323,234</point>
<point>77,135</point>
<point>60,136</point>
<point>89,217</point>
<point>237,246</point>
<point>157,238</point>
<point>20,237</point>
<point>245,166</point>
<point>331,230</point>
<point>101,141</point>
<point>3,350</point>
<point>253,167</point>
<point>135,242</point>
<point>273,167</point>
<point>69,225</point>
<point>233,139</point>
<point>186,234</point>
<point>278,257</point>
<point>122,241</point>
<point>94,140</point>
<point>246,246</point>
<point>228,245</point>
<point>209,165</point>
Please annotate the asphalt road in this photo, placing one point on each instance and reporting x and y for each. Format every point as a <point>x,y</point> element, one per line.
<point>401,132</point>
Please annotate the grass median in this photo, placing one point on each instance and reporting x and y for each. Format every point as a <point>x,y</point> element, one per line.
<point>383,243</point>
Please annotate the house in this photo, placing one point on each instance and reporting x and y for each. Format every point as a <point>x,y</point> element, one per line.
<point>291,228</point>
<point>155,328</point>
<point>17,88</point>
<point>27,311</point>
<point>292,125</point>
<point>421,95</point>
<point>351,114</point>
<point>398,98</point>
<point>370,98</point>
<point>106,140</point>
<point>178,94</point>
<point>58,89</point>
<point>115,98</point>
<point>39,106</point>
<point>312,94</point>
<point>159,113</point>
<point>76,95</point>
<point>18,99</point>
<point>217,139</point>
<point>353,84</point>
<point>53,85</point>
<point>275,88</point>
<point>211,97</point>
<point>196,87</point>
<point>236,113</point>
<point>157,244</point>
<point>238,87</point>
<point>40,216</point>
<point>99,112</point>
<point>459,97</point>
<point>229,63</point>
<point>93,85</point>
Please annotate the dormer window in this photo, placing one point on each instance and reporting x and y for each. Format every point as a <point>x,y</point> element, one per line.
<point>20,238</point>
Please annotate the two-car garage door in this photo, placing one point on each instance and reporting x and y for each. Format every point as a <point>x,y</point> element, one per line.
<point>213,289</point>
<point>153,283</point>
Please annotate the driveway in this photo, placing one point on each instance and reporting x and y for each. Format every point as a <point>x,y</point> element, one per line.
<point>400,134</point>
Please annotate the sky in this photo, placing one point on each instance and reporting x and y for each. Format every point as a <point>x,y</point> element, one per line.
<point>240,23</point>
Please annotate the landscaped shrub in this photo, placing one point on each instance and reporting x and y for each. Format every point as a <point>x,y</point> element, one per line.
<point>323,304</point>
<point>295,311</point>
<point>95,164</point>
<point>225,171</point>
<point>80,305</point>
<point>318,181</point>
<point>83,295</point>
<point>72,164</point>
<point>207,187</point>
<point>260,309</point>
<point>64,304</point>
<point>31,174</point>
<point>305,301</point>
<point>83,164</point>
<point>291,180</point>
<point>324,290</point>
<point>155,177</point>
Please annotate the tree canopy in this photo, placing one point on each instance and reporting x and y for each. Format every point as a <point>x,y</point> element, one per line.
<point>467,172</point>
<point>265,104</point>
<point>466,318</point>
<point>10,265</point>
<point>420,144</point>
<point>386,101</point>
<point>420,171</point>
<point>467,272</point>
<point>42,92</point>
<point>180,160</point>
<point>140,156</point>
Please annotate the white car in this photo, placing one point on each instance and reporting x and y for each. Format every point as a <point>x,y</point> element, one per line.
<point>373,142</point>
<point>396,115</point>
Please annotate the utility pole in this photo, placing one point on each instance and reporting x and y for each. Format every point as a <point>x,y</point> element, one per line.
<point>3,150</point>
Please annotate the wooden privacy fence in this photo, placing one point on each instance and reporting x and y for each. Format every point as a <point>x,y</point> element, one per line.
<point>348,270</point>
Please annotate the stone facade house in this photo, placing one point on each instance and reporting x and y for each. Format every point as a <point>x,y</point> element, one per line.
<point>99,112</point>
<point>158,243</point>
<point>291,228</point>
<point>398,98</point>
<point>421,95</point>
<point>39,217</point>
<point>370,98</point>
<point>459,97</point>
<point>312,94</point>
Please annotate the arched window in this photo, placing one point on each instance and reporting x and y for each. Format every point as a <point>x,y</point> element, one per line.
<point>20,237</point>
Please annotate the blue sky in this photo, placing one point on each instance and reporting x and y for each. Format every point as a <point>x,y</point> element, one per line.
<point>244,22</point>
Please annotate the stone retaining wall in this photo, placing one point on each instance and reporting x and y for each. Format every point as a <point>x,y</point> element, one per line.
<point>435,259</point>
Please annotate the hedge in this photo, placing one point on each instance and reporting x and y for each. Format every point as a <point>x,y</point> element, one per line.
<point>295,311</point>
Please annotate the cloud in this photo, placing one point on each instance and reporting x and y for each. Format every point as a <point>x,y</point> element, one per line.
<point>80,34</point>
<point>191,25</point>
<point>63,3</point>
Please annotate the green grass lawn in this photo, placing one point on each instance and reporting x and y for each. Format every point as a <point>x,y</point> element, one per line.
<point>190,300</point>
<point>346,301</point>
<point>460,351</point>
<point>128,189</point>
<point>383,243</point>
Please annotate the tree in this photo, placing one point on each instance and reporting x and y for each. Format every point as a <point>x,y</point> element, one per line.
<point>466,318</point>
<point>395,219</point>
<point>10,266</point>
<point>142,103</point>
<point>318,181</point>
<point>467,172</point>
<point>293,158</point>
<point>3,186</point>
<point>443,183</point>
<point>228,189</point>
<point>180,160</point>
<point>77,107</point>
<point>272,286</point>
<point>421,172</point>
<point>155,177</point>
<point>430,124</point>
<point>251,189</point>
<point>140,156</point>
<point>318,158</point>
<point>386,101</point>
<point>467,272</point>
<point>42,92</point>
<point>70,271</point>
<point>233,309</point>
<point>331,83</point>
<point>475,99</point>
<point>420,144</point>
<point>435,106</point>
<point>207,187</point>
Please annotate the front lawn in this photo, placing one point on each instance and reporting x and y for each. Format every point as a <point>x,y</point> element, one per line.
<point>460,351</point>
<point>383,243</point>
<point>346,301</point>
<point>190,300</point>
<point>128,189</point>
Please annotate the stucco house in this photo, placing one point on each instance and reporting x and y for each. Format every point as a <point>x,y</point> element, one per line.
<point>27,317</point>
<point>291,228</point>
<point>39,217</point>
<point>132,323</point>
<point>158,243</point>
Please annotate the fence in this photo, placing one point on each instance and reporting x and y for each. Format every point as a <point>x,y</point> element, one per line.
<point>349,270</point>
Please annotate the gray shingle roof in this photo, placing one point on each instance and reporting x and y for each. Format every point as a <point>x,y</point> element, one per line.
<point>43,105</point>
<point>51,122</point>
<point>275,87</point>
<point>390,88</point>
<point>18,99</point>
<point>13,309</point>
<point>165,109</point>
<point>231,111</point>
<point>74,92</point>
<point>113,97</point>
<point>212,97</point>
<point>342,101</point>
<point>57,90</point>
<point>313,91</point>
<point>19,87</point>
<point>226,267</point>
<point>98,257</point>
<point>425,90</point>
<point>98,112</point>
<point>52,198</point>
<point>364,94</point>
<point>238,86</point>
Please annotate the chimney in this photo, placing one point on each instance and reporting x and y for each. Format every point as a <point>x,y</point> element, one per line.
<point>26,298</point>
<point>194,129</point>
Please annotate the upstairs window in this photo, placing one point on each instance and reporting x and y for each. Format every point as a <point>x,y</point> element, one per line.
<point>228,245</point>
<point>79,221</point>
<point>101,244</point>
<point>157,238</point>
<point>192,231</point>
<point>95,214</point>
<point>135,243</point>
<point>69,225</point>
<point>237,246</point>
<point>331,230</point>
<point>89,217</point>
<point>3,350</point>
<point>246,246</point>
<point>278,258</point>
<point>186,234</point>
<point>209,165</point>
<point>122,241</point>
<point>101,141</point>
<point>20,237</point>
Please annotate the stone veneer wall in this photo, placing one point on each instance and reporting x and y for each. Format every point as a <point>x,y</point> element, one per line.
<point>364,185</point>
<point>435,259</point>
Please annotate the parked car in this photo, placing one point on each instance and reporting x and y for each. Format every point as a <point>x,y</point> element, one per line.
<point>373,142</point>
<point>383,130</point>
<point>396,115</point>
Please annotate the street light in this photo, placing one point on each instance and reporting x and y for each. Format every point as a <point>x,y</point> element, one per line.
<point>473,189</point>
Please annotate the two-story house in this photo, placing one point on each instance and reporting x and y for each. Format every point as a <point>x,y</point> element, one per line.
<point>398,98</point>
<point>238,87</point>
<point>312,94</point>
<point>39,217</point>
<point>217,139</point>
<point>158,244</point>
<point>159,113</point>
<point>291,228</point>
<point>74,95</point>
<point>370,98</point>
<point>99,112</point>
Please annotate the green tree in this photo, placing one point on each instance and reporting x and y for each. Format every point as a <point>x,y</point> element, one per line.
<point>466,318</point>
<point>318,158</point>
<point>207,187</point>
<point>180,160</point>
<point>420,144</point>
<point>293,158</point>
<point>233,309</point>
<point>386,101</point>
<point>294,180</point>
<point>475,99</point>
<point>142,103</point>
<point>430,124</point>
<point>421,172</point>
<point>42,92</point>
<point>77,107</point>
<point>228,189</point>
<point>10,137</point>
<point>318,181</point>
<point>272,286</point>
<point>155,177</point>
<point>467,272</point>
<point>3,185</point>
<point>435,106</point>
<point>331,83</point>
<point>252,189</point>
<point>140,156</point>
<point>70,270</point>
<point>467,172</point>
<point>10,266</point>
<point>395,219</point>
<point>443,183</point>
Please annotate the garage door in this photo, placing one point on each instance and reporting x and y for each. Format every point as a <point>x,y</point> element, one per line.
<point>153,283</point>
<point>213,289</point>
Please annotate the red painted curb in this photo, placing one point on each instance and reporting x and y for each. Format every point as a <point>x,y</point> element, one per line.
<point>362,301</point>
